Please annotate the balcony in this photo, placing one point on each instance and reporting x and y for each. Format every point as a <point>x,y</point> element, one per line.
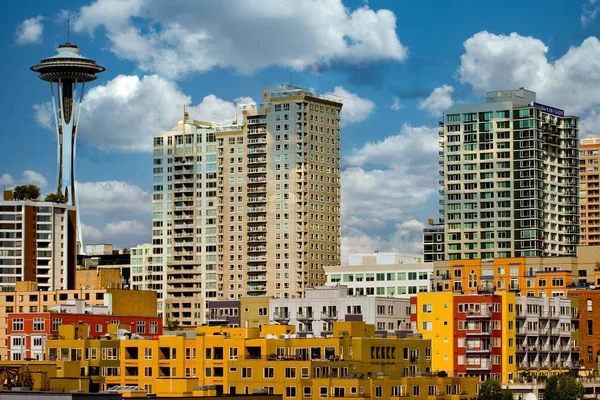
<point>484,366</point>
<point>478,350</point>
<point>257,150</point>
<point>329,316</point>
<point>479,332</point>
<point>483,313</point>
<point>282,317</point>
<point>305,316</point>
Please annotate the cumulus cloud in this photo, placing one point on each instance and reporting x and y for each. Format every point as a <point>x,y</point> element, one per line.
<point>589,125</point>
<point>405,237</point>
<point>355,108</point>
<point>496,62</point>
<point>34,178</point>
<point>28,177</point>
<point>122,234</point>
<point>438,101</point>
<point>589,11</point>
<point>112,198</point>
<point>29,31</point>
<point>42,113</point>
<point>7,180</point>
<point>397,105</point>
<point>91,234</point>
<point>386,185</point>
<point>123,114</point>
<point>246,36</point>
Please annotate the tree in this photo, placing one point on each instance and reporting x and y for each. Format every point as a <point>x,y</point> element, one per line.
<point>55,198</point>
<point>563,388</point>
<point>492,390</point>
<point>26,192</point>
<point>28,379</point>
<point>173,325</point>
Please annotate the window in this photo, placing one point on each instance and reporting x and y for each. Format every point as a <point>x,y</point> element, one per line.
<point>233,353</point>
<point>307,392</point>
<point>589,305</point>
<point>290,373</point>
<point>290,391</point>
<point>153,327</point>
<point>323,391</point>
<point>590,328</point>
<point>148,353</point>
<point>17,324</point>
<point>416,390</point>
<point>268,372</point>
<point>56,322</point>
<point>378,391</point>
<point>38,324</point>
<point>246,372</point>
<point>141,327</point>
<point>427,308</point>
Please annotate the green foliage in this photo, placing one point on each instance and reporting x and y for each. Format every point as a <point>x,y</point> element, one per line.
<point>55,198</point>
<point>492,390</point>
<point>28,379</point>
<point>563,388</point>
<point>26,192</point>
<point>173,325</point>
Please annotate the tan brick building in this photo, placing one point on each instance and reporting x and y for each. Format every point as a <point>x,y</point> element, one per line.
<point>250,208</point>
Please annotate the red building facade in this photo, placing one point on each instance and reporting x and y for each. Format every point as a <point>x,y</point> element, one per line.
<point>27,332</point>
<point>478,336</point>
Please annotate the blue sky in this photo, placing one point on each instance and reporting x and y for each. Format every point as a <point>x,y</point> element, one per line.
<point>397,63</point>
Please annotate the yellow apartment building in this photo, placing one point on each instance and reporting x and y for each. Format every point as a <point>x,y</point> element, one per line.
<point>254,311</point>
<point>352,362</point>
<point>435,322</point>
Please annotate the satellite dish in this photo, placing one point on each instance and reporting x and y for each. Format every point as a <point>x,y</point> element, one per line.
<point>530,396</point>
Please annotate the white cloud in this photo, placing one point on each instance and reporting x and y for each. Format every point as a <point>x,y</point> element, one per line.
<point>438,101</point>
<point>496,62</point>
<point>111,13</point>
<point>589,11</point>
<point>246,36</point>
<point>34,178</point>
<point>112,198</point>
<point>7,180</point>
<point>122,234</point>
<point>29,31</point>
<point>42,113</point>
<point>355,108</point>
<point>124,114</point>
<point>27,177</point>
<point>125,228</point>
<point>386,187</point>
<point>589,126</point>
<point>397,105</point>
<point>406,237</point>
<point>91,234</point>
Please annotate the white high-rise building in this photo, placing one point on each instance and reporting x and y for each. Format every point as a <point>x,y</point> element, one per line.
<point>247,209</point>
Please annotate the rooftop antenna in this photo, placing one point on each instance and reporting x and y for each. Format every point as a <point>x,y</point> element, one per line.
<point>185,114</point>
<point>68,31</point>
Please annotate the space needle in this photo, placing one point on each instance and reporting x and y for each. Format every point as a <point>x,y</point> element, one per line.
<point>67,72</point>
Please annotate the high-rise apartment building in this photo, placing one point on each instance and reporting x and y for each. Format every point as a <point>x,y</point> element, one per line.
<point>589,193</point>
<point>250,208</point>
<point>510,180</point>
<point>39,243</point>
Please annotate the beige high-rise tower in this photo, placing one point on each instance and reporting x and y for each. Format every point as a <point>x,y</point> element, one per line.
<point>251,208</point>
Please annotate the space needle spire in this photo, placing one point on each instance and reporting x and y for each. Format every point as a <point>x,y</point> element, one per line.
<point>67,72</point>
